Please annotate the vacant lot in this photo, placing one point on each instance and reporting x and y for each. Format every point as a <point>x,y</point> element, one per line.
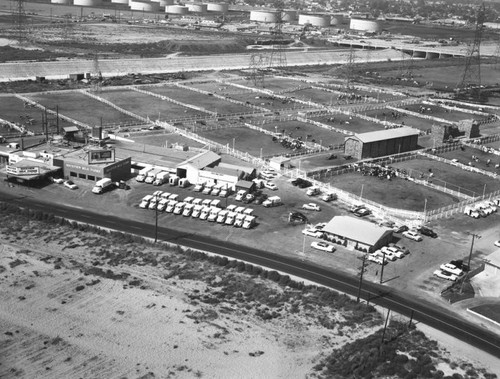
<point>148,106</point>
<point>206,102</point>
<point>81,108</point>
<point>401,118</point>
<point>449,176</point>
<point>13,109</point>
<point>246,140</point>
<point>396,193</point>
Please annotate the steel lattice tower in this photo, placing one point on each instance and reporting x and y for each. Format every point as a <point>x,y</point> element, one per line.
<point>20,20</point>
<point>470,82</point>
<point>257,67</point>
<point>349,68</point>
<point>96,75</point>
<point>278,56</point>
<point>406,67</point>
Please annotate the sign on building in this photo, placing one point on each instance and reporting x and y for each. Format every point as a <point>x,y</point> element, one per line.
<point>101,156</point>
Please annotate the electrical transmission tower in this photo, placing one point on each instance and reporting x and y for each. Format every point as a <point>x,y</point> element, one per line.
<point>20,21</point>
<point>406,67</point>
<point>278,56</point>
<point>257,66</point>
<point>470,83</point>
<point>349,68</point>
<point>96,75</point>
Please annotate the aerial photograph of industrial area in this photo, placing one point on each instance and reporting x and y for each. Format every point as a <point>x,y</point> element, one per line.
<point>250,189</point>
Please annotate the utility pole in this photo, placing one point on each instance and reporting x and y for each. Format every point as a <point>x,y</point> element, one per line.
<point>385,326</point>
<point>382,269</point>
<point>156,218</point>
<point>362,271</point>
<point>466,276</point>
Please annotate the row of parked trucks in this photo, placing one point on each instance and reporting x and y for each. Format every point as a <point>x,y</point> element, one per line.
<point>206,209</point>
<point>158,176</point>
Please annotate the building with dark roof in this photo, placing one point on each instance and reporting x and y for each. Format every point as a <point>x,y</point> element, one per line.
<point>357,234</point>
<point>381,143</point>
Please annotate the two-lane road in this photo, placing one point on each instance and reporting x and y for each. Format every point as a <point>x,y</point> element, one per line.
<point>423,311</point>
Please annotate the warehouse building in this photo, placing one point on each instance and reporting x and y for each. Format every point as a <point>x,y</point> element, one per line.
<point>381,143</point>
<point>357,234</point>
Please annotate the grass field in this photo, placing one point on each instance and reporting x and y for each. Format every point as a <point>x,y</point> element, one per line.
<point>401,118</point>
<point>449,176</point>
<point>246,140</point>
<point>298,129</point>
<point>81,108</point>
<point>11,108</point>
<point>209,103</point>
<point>465,156</point>
<point>350,123</point>
<point>397,193</point>
<point>146,105</point>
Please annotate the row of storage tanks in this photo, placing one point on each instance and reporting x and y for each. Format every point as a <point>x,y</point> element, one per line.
<point>271,16</point>
<point>153,5</point>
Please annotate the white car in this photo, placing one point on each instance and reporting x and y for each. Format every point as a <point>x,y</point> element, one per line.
<point>376,259</point>
<point>412,235</point>
<point>497,243</point>
<point>401,248</point>
<point>445,275</point>
<point>313,233</point>
<point>394,251</point>
<point>311,207</point>
<point>271,186</point>
<point>58,180</point>
<point>452,269</point>
<point>69,184</point>
<point>389,256</point>
<point>324,246</point>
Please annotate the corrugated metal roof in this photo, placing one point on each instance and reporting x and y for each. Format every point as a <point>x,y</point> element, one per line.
<point>356,229</point>
<point>201,160</point>
<point>381,135</point>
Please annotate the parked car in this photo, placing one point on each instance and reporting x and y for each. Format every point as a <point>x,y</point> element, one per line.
<point>459,263</point>
<point>445,275</point>
<point>323,246</point>
<point>393,251</point>
<point>361,212</point>
<point>448,267</point>
<point>304,184</point>
<point>412,235</point>
<point>400,247</point>
<point>312,233</point>
<point>271,186</point>
<point>311,207</point>
<point>248,198</point>
<point>427,232</point>
<point>296,182</point>
<point>377,259</point>
<point>497,243</point>
<point>57,180</point>
<point>260,199</point>
<point>240,195</point>
<point>69,184</point>
<point>400,228</point>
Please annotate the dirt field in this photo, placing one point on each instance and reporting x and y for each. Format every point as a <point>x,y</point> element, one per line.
<point>440,112</point>
<point>401,118</point>
<point>465,156</point>
<point>350,123</point>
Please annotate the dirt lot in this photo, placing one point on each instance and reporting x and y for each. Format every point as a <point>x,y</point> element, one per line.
<point>401,119</point>
<point>465,156</point>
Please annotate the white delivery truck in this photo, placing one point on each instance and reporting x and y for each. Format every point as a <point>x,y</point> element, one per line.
<point>143,173</point>
<point>183,183</point>
<point>221,217</point>
<point>238,221</point>
<point>145,201</point>
<point>151,175</point>
<point>179,207</point>
<point>240,195</point>
<point>248,222</point>
<point>207,189</point>
<point>170,206</point>
<point>188,209</point>
<point>173,180</point>
<point>204,213</point>
<point>215,203</point>
<point>224,192</point>
<point>272,201</point>
<point>196,211</point>
<point>214,212</point>
<point>240,209</point>
<point>103,185</point>
<point>161,177</point>
<point>230,218</point>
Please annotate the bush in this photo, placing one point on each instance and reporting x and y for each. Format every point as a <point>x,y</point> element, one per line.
<point>274,276</point>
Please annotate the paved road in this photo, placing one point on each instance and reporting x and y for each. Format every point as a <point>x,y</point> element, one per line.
<point>116,67</point>
<point>426,312</point>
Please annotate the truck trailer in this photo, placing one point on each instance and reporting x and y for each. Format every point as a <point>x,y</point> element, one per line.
<point>103,185</point>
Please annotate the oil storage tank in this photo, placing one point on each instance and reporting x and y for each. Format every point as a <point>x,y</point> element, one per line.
<point>197,7</point>
<point>87,3</point>
<point>63,2</point>
<point>318,20</point>
<point>176,9</point>
<point>218,7</point>
<point>264,16</point>
<point>365,25</point>
<point>145,6</point>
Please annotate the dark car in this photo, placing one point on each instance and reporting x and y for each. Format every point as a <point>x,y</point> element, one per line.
<point>427,232</point>
<point>459,263</point>
<point>305,184</point>
<point>400,229</point>
<point>361,212</point>
<point>297,181</point>
<point>260,199</point>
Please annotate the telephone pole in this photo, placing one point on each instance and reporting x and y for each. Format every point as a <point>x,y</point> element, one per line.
<point>362,271</point>
<point>466,276</point>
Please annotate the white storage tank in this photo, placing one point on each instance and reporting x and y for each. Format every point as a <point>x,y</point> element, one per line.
<point>145,6</point>
<point>364,25</point>
<point>63,2</point>
<point>321,21</point>
<point>263,16</point>
<point>87,3</point>
<point>218,7</point>
<point>289,15</point>
<point>119,2</point>
<point>176,9</point>
<point>197,7</point>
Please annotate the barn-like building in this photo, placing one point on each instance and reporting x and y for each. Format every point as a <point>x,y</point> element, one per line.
<point>381,143</point>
